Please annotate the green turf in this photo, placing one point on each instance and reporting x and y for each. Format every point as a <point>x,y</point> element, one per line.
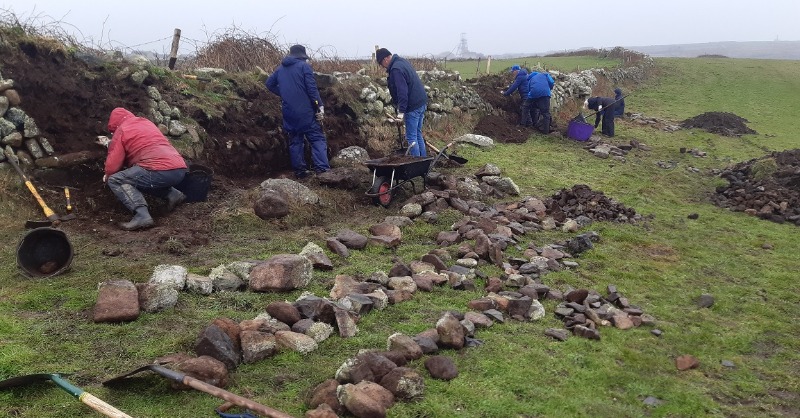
<point>661,265</point>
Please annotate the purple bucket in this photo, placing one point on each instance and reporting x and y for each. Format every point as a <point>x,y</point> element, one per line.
<point>579,131</point>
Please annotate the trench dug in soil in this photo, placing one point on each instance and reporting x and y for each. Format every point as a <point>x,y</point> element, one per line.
<point>70,100</point>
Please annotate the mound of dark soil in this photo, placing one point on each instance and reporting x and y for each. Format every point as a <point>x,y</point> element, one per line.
<point>500,126</point>
<point>501,129</point>
<point>489,88</point>
<point>768,187</point>
<point>722,123</point>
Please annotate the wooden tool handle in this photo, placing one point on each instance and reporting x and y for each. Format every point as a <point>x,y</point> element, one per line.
<point>233,398</point>
<point>47,211</point>
<point>101,406</point>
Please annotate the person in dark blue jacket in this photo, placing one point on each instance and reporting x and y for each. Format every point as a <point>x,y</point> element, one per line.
<point>619,110</point>
<point>408,96</point>
<point>605,107</point>
<point>540,86</point>
<point>303,110</point>
<point>519,85</point>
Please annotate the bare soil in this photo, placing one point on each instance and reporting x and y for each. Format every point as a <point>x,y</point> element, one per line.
<point>722,123</point>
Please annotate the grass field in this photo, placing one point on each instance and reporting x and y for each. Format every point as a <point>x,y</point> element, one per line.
<point>662,267</point>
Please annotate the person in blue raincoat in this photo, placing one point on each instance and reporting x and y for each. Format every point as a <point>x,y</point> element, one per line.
<point>408,96</point>
<point>540,86</point>
<point>519,85</point>
<point>303,111</point>
<point>619,111</point>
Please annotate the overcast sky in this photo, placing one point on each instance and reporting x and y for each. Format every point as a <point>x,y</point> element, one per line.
<point>417,27</point>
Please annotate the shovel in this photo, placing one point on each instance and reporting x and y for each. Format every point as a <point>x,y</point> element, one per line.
<point>93,402</point>
<point>203,387</point>
<point>454,158</point>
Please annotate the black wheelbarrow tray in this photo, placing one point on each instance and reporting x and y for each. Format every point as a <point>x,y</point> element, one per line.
<point>391,172</point>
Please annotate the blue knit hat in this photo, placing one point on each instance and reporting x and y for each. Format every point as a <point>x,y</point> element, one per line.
<point>515,68</point>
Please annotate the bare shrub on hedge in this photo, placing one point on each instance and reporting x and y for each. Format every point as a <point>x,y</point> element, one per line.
<point>47,31</point>
<point>236,50</point>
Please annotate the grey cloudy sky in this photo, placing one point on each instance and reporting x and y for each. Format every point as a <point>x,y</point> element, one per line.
<point>417,27</point>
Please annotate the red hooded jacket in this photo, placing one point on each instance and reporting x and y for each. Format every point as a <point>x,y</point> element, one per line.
<point>137,141</point>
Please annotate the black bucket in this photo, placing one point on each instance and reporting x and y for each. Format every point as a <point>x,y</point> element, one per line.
<point>196,183</point>
<point>44,252</point>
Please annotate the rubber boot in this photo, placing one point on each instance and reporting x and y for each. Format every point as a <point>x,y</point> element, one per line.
<point>141,219</point>
<point>174,198</point>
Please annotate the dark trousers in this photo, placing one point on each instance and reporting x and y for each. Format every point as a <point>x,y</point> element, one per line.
<point>129,184</point>
<point>319,149</point>
<point>540,113</point>
<point>608,121</point>
<point>525,112</point>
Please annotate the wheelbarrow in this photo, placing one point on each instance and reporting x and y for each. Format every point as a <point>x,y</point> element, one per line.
<point>394,171</point>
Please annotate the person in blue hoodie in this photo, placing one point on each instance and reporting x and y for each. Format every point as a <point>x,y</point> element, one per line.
<point>303,111</point>
<point>408,96</point>
<point>619,110</point>
<point>540,86</point>
<point>519,85</point>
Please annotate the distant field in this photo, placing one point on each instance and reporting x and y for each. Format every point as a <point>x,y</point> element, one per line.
<point>764,92</point>
<point>471,68</point>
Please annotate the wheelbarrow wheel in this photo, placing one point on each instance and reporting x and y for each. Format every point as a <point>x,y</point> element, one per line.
<point>383,189</point>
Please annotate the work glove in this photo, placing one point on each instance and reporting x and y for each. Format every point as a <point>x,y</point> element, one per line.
<point>103,140</point>
<point>600,108</point>
<point>400,117</point>
<point>585,104</point>
<point>321,114</point>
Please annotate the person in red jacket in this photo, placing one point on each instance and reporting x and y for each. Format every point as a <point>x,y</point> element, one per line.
<point>140,159</point>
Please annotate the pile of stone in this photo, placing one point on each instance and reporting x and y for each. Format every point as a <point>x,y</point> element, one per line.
<point>370,382</point>
<point>582,201</point>
<point>602,149</point>
<point>585,311</point>
<point>767,187</point>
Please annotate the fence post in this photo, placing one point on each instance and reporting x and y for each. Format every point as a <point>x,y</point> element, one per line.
<point>173,53</point>
<point>375,64</point>
<point>488,63</point>
<point>478,67</point>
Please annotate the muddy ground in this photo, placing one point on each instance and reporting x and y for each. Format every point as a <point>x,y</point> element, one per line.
<point>502,125</point>
<point>71,99</point>
<point>722,123</point>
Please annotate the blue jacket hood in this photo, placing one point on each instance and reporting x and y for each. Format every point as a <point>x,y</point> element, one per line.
<point>539,85</point>
<point>290,60</point>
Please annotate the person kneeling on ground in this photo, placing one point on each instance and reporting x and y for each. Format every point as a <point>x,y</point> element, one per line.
<point>153,166</point>
<point>605,107</point>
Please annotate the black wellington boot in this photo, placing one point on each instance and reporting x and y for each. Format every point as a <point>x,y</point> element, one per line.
<point>141,220</point>
<point>174,198</point>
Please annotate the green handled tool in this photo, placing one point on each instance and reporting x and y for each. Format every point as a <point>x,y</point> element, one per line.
<point>87,398</point>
